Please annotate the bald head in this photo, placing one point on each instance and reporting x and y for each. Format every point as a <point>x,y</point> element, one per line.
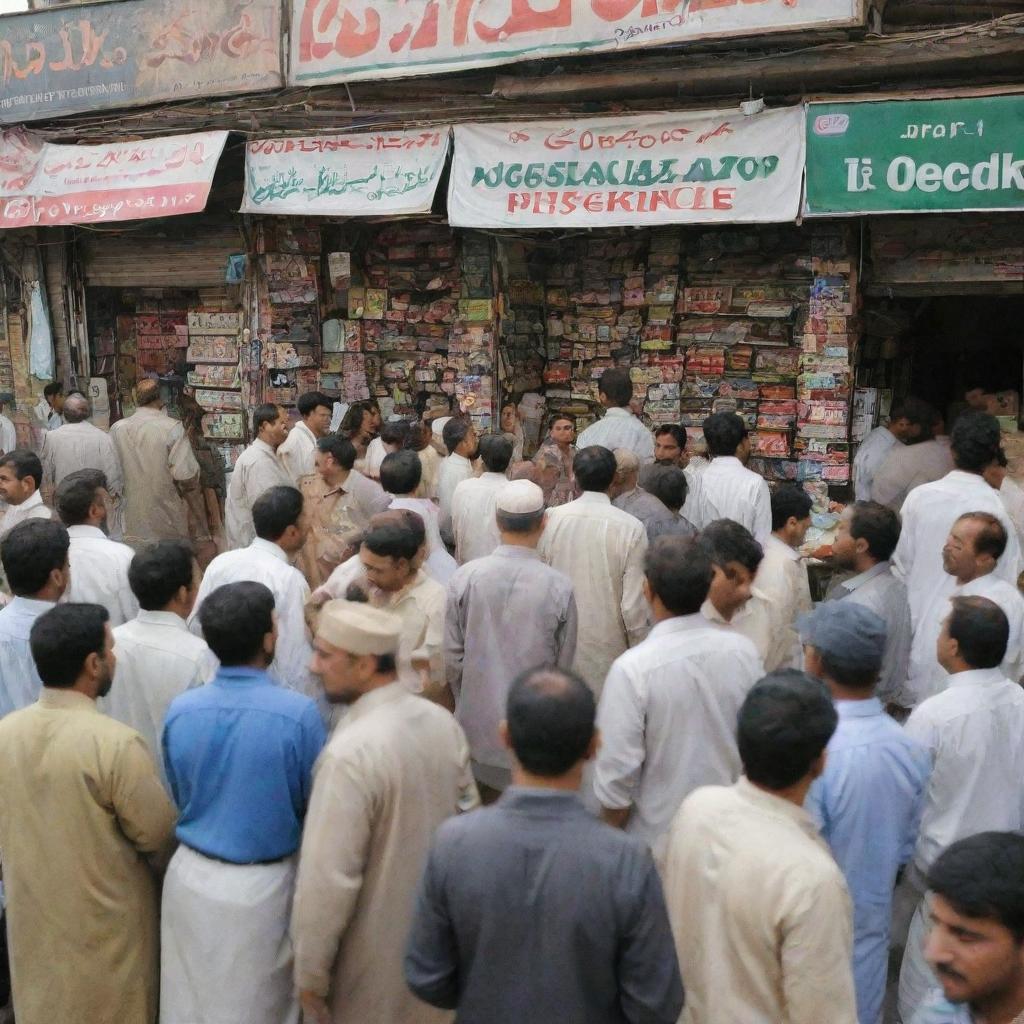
<point>627,471</point>
<point>147,392</point>
<point>76,409</point>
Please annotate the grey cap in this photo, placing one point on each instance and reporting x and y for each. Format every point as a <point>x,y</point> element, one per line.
<point>848,634</point>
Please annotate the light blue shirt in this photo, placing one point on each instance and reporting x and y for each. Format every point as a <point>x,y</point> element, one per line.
<point>937,1009</point>
<point>19,681</point>
<point>239,754</point>
<point>868,805</point>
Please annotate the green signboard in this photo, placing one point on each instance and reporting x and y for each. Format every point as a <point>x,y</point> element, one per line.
<point>915,156</point>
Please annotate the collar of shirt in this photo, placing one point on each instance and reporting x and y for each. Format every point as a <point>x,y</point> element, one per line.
<point>494,477</point>
<point>965,479</point>
<point>554,803</point>
<point>30,502</point>
<point>783,548</point>
<point>87,531</point>
<point>861,578</point>
<point>617,412</point>
<point>241,675</point>
<point>776,805</point>
<point>516,551</point>
<point>301,427</point>
<point>977,677</point>
<point>393,599</point>
<point>158,618</point>
<point>712,614</point>
<point>678,624</point>
<point>262,446</point>
<point>859,708</point>
<point>726,462</point>
<point>369,702</point>
<point>30,606</point>
<point>460,459</point>
<point>593,498</point>
<point>66,700</point>
<point>259,544</point>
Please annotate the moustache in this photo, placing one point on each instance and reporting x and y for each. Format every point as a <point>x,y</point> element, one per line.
<point>951,975</point>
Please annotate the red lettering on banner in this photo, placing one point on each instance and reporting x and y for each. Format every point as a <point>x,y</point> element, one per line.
<point>523,18</point>
<point>351,40</point>
<point>616,10</point>
<point>518,201</point>
<point>722,198</point>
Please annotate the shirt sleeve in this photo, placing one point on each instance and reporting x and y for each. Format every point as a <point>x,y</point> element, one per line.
<point>635,615</point>
<point>144,813</point>
<point>565,641</point>
<point>903,556</point>
<point>620,717</point>
<point>312,737</point>
<point>294,652</point>
<point>46,458</point>
<point>454,638</point>
<point>113,471</point>
<point>762,514</point>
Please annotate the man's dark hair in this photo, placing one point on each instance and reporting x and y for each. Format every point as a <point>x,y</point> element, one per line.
<point>982,876</point>
<point>915,411</point>
<point>723,433</point>
<point>275,510</point>
<point>518,522</point>
<point>24,463</point>
<point>53,388</point>
<point>851,678</point>
<point>561,416</point>
<point>726,541</point>
<point>30,552</point>
<point>679,572</point>
<point>352,421</point>
<point>616,386</point>
<point>594,468</point>
<point>676,430</point>
<point>981,629</point>
<point>784,724</point>
<point>313,400</point>
<point>454,432</point>
<point>395,432</point>
<point>266,413</point>
<point>787,501</point>
<point>401,472</point>
<point>341,449</point>
<point>975,441</point>
<point>235,618</point>
<point>394,541</point>
<point>496,452</point>
<point>666,483</point>
<point>991,538</point>
<point>76,493</point>
<point>876,524</point>
<point>158,572</point>
<point>62,638</point>
<point>550,715</point>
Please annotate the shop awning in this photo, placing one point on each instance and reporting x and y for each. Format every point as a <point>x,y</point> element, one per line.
<point>358,174</point>
<point>43,185</point>
<point>703,167</point>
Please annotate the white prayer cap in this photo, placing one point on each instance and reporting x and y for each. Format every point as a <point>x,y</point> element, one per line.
<point>359,628</point>
<point>519,498</point>
<point>437,426</point>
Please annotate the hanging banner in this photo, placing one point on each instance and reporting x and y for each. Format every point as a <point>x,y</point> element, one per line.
<point>915,155</point>
<point>97,56</point>
<point>352,175</point>
<point>689,168</point>
<point>42,184</point>
<point>350,40</point>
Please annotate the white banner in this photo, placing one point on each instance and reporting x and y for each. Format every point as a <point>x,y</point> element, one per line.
<point>702,167</point>
<point>353,175</point>
<point>355,40</point>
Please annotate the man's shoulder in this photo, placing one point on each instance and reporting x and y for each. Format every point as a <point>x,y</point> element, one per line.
<point>289,704</point>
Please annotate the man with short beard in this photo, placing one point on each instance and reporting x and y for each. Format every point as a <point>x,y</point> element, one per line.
<point>395,768</point>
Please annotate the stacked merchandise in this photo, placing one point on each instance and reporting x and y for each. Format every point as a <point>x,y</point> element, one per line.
<point>214,349</point>
<point>152,341</point>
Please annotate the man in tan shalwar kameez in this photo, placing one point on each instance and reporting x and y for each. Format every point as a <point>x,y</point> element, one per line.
<point>395,768</point>
<point>83,816</point>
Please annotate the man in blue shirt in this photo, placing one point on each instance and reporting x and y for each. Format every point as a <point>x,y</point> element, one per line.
<point>976,941</point>
<point>239,755</point>
<point>869,800</point>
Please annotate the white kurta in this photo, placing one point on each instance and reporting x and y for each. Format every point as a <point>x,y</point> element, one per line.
<point>928,514</point>
<point>8,435</point>
<point>264,562</point>
<point>298,452</point>
<point>870,455</point>
<point>157,659</point>
<point>757,621</point>
<point>601,549</point>
<point>375,454</point>
<point>782,578</point>
<point>258,469</point>
<point>99,573</point>
<point>1012,496</point>
<point>31,508</point>
<point>728,490</point>
<point>619,428</point>
<point>77,446</point>
<point>473,522</point>
<point>452,472</point>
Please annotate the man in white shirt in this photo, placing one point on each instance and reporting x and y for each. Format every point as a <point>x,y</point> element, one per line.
<point>258,469</point>
<point>668,709</point>
<point>618,428</point>
<point>277,520</point>
<point>50,408</point>
<point>733,599</point>
<point>973,732</point>
<point>8,433</point>
<point>865,540</point>
<point>670,449</point>
<point>20,474</point>
<point>298,450</point>
<point>976,542</point>
<point>99,565</point>
<point>601,549</point>
<point>473,522</point>
<point>782,575</point>
<point>461,441</point>
<point>906,422</point>
<point>728,490</point>
<point>157,657</point>
<point>931,509</point>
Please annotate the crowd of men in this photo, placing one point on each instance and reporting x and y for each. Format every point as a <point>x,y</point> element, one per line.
<point>445,732</point>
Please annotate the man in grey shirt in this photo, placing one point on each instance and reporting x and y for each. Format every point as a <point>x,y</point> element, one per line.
<point>538,864</point>
<point>506,612</point>
<point>627,494</point>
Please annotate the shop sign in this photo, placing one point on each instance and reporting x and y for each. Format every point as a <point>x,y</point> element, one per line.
<point>346,41</point>
<point>42,184</point>
<point>96,56</point>
<point>916,155</point>
<point>664,168</point>
<point>353,175</point>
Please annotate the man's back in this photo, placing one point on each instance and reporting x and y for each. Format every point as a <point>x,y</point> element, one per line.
<point>619,428</point>
<point>908,466</point>
<point>760,912</point>
<point>728,490</point>
<point>657,519</point>
<point>99,573</point>
<point>77,446</point>
<point>258,469</point>
<point>473,523</point>
<point>538,865</point>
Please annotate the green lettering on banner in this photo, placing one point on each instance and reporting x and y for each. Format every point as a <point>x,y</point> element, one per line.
<point>915,156</point>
